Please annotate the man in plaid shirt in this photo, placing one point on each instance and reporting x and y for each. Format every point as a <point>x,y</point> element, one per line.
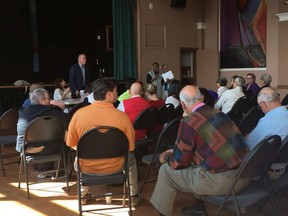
<point>208,150</point>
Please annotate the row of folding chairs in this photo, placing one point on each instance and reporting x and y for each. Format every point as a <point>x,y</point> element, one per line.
<point>8,136</point>
<point>256,165</point>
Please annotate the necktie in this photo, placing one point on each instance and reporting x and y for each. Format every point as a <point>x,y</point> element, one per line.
<point>83,75</point>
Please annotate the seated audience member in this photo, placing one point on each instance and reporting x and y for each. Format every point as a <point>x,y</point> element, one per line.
<point>60,92</point>
<point>251,85</point>
<point>104,114</point>
<point>32,87</point>
<point>195,165</point>
<point>208,99</point>
<point>229,97</point>
<point>151,95</point>
<point>126,95</point>
<point>40,106</point>
<point>134,106</point>
<point>89,94</point>
<point>265,80</point>
<point>275,122</point>
<point>174,89</point>
<point>221,84</point>
<point>232,80</point>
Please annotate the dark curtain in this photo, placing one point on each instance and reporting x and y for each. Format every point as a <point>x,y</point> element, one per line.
<point>124,45</point>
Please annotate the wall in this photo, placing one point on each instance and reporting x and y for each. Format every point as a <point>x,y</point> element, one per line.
<point>162,31</point>
<point>181,32</point>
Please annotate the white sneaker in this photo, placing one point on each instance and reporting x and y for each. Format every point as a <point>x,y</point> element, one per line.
<point>41,176</point>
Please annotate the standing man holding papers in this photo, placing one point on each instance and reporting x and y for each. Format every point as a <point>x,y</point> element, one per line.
<point>79,76</point>
<point>167,76</point>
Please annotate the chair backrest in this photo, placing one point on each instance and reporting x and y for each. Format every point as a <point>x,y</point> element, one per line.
<point>146,119</point>
<point>236,116</point>
<point>78,106</point>
<point>102,142</point>
<point>250,120</point>
<point>285,100</point>
<point>240,104</point>
<point>45,129</point>
<point>8,121</point>
<point>259,160</point>
<point>166,113</point>
<point>168,135</point>
<point>282,157</point>
<point>178,112</point>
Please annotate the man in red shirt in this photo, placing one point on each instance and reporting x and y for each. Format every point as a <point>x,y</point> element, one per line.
<point>134,106</point>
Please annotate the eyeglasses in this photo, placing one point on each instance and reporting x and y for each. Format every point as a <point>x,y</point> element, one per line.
<point>46,98</point>
<point>249,78</point>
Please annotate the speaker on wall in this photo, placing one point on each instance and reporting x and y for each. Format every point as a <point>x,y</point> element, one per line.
<point>178,3</point>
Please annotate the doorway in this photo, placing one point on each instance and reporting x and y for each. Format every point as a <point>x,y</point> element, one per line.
<point>188,65</point>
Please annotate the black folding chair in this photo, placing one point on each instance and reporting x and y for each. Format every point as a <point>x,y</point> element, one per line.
<point>146,120</point>
<point>255,164</point>
<point>8,136</point>
<point>280,185</point>
<point>166,113</point>
<point>47,132</point>
<point>250,120</point>
<point>165,141</point>
<point>178,112</point>
<point>100,143</point>
<point>285,100</point>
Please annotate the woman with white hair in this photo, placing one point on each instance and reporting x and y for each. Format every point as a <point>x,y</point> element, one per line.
<point>265,80</point>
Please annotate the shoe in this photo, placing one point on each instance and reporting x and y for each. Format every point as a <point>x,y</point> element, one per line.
<point>136,200</point>
<point>41,176</point>
<point>86,198</point>
<point>188,211</point>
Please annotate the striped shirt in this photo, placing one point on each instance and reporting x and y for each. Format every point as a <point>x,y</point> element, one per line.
<point>208,138</point>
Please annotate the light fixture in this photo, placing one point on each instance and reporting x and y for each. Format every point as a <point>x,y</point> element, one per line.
<point>285,3</point>
<point>282,16</point>
<point>201,25</point>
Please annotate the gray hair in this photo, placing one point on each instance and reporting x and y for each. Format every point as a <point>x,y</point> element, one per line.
<point>266,78</point>
<point>240,81</point>
<point>36,95</point>
<point>268,97</point>
<point>186,99</point>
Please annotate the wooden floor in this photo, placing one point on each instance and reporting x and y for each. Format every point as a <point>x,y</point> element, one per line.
<point>52,198</point>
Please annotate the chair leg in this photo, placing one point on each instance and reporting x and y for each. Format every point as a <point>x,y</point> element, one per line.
<point>2,163</point>
<point>26,177</point>
<point>20,171</point>
<point>65,171</point>
<point>269,187</point>
<point>79,193</point>
<point>145,178</point>
<point>124,196</point>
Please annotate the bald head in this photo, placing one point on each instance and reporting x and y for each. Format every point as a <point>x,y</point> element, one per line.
<point>268,94</point>
<point>136,89</point>
<point>268,99</point>
<point>190,95</point>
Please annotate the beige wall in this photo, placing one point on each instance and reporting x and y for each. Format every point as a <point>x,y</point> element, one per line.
<point>179,28</point>
<point>176,27</point>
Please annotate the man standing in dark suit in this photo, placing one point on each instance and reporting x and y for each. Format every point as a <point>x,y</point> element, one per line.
<point>79,76</point>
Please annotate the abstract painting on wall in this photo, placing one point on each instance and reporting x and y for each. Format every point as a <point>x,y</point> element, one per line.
<point>243,25</point>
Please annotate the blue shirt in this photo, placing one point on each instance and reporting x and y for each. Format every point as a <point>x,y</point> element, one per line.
<point>275,122</point>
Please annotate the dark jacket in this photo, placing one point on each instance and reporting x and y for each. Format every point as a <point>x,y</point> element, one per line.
<point>76,78</point>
